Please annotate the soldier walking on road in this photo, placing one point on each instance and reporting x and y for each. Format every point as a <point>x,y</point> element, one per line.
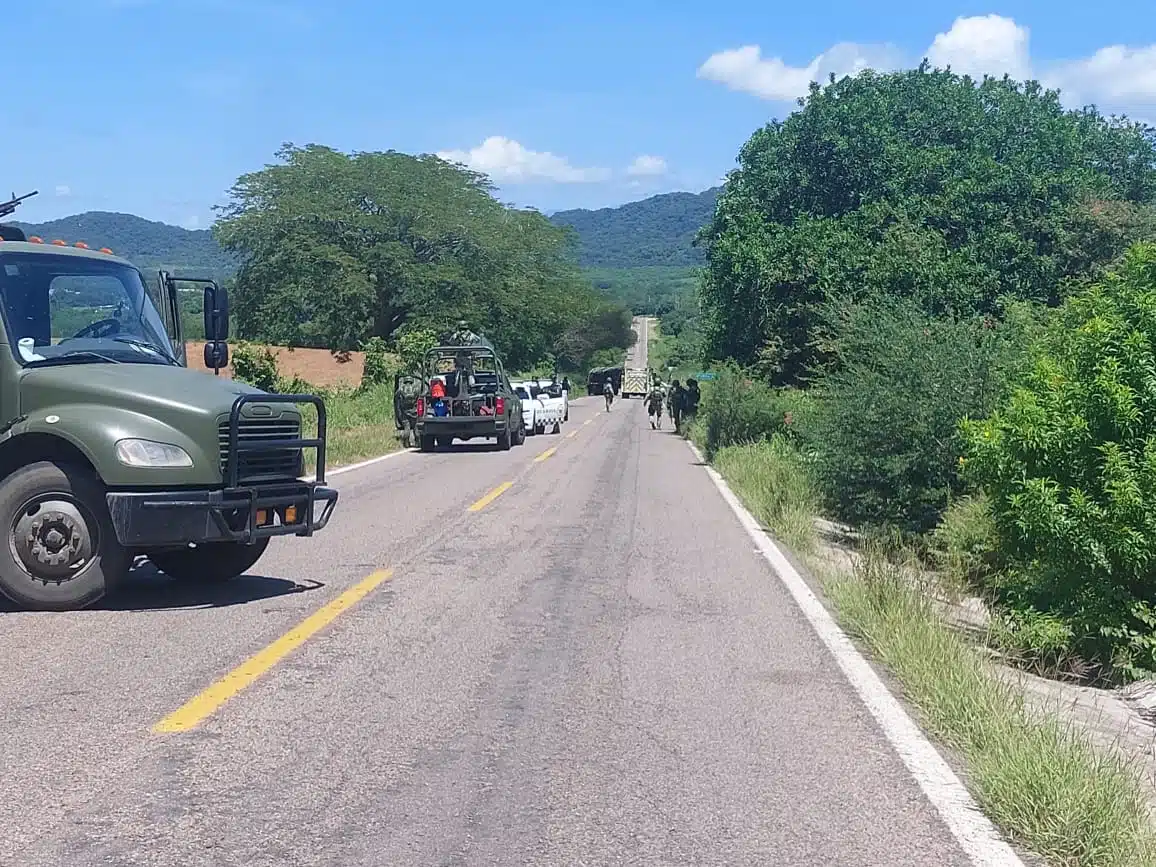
<point>654,407</point>
<point>676,401</point>
<point>608,393</point>
<point>693,396</point>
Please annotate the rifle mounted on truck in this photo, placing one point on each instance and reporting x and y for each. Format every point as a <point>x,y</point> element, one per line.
<point>10,206</point>
<point>11,233</point>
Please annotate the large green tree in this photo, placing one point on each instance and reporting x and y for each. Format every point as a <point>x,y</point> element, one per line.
<point>919,184</point>
<point>336,248</point>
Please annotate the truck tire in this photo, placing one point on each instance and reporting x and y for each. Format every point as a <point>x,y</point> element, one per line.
<point>521,441</point>
<point>62,552</point>
<point>557,427</point>
<point>505,440</point>
<point>427,444</point>
<point>211,563</point>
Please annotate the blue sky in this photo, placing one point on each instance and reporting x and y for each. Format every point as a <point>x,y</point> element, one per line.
<point>154,107</point>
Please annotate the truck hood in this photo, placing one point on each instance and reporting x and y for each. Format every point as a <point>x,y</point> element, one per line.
<point>151,389</point>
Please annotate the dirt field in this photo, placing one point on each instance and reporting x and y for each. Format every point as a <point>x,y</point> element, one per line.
<point>315,366</point>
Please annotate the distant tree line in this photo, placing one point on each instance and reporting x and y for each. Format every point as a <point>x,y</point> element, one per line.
<point>335,249</point>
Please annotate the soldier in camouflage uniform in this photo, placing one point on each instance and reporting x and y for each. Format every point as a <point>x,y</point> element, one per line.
<point>676,403</point>
<point>654,402</point>
<point>405,397</point>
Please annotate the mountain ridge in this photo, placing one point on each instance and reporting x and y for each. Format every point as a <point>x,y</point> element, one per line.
<point>655,231</point>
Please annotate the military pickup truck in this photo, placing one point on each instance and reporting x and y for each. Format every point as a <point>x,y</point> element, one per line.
<point>467,395</point>
<point>112,449</point>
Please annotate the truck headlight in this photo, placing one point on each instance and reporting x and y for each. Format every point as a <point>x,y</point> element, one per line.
<point>146,453</point>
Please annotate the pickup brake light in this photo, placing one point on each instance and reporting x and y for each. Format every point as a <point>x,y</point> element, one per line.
<point>421,406</point>
<point>499,406</point>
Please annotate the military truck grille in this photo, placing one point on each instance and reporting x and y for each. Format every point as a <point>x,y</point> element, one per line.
<point>263,464</point>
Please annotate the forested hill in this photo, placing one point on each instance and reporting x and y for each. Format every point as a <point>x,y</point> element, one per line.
<point>147,244</point>
<point>655,231</point>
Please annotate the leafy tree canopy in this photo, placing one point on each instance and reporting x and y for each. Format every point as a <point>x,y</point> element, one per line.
<point>336,248</point>
<point>922,185</point>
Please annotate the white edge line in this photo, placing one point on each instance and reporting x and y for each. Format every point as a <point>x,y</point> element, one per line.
<point>348,468</point>
<point>976,834</point>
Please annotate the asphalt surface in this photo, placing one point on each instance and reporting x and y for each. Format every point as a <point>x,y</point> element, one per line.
<point>594,668</point>
<point>639,353</point>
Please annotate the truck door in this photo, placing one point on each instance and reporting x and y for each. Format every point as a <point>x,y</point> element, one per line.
<point>166,299</point>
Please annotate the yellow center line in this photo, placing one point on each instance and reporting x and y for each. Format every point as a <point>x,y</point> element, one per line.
<point>545,454</point>
<point>572,434</point>
<point>202,706</point>
<point>587,422</point>
<point>490,497</point>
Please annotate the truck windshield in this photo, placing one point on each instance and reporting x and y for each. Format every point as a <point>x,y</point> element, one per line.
<point>64,309</point>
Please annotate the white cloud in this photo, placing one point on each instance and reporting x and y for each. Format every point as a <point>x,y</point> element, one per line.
<point>982,44</point>
<point>745,69</point>
<point>193,222</point>
<point>645,164</point>
<point>1118,75</point>
<point>504,159</point>
<point>63,190</point>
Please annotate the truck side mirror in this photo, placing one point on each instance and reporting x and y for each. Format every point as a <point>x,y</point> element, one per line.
<point>216,354</point>
<point>216,314</point>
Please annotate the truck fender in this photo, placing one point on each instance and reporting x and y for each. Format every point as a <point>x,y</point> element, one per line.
<point>94,430</point>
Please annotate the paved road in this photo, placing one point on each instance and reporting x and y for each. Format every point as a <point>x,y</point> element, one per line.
<point>639,354</point>
<point>586,670</point>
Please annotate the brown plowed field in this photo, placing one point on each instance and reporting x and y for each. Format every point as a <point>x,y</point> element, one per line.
<point>315,366</point>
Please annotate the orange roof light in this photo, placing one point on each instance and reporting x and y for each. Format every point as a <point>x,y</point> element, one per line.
<point>81,245</point>
<point>59,243</point>
<point>106,250</point>
<point>35,239</point>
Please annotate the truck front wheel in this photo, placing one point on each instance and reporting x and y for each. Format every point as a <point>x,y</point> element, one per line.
<point>211,563</point>
<point>62,552</point>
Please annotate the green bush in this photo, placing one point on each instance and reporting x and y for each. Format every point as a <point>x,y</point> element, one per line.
<point>965,545</point>
<point>377,369</point>
<point>1069,462</point>
<point>736,409</point>
<point>256,365</point>
<point>884,430</point>
<point>413,345</point>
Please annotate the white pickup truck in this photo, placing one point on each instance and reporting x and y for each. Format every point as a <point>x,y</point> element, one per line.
<point>539,409</point>
<point>555,390</point>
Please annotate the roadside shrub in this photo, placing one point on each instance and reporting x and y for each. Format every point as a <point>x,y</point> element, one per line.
<point>377,369</point>
<point>413,345</point>
<point>965,545</point>
<point>256,365</point>
<point>884,430</point>
<point>736,409</point>
<point>1069,462</point>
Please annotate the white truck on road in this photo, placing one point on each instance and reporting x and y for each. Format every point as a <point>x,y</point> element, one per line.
<point>539,409</point>
<point>635,382</point>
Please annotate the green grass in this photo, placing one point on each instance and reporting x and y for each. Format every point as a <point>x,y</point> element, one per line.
<point>1043,782</point>
<point>771,481</point>
<point>360,425</point>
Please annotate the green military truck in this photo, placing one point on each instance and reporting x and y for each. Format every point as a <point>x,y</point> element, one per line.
<point>111,448</point>
<point>466,395</point>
